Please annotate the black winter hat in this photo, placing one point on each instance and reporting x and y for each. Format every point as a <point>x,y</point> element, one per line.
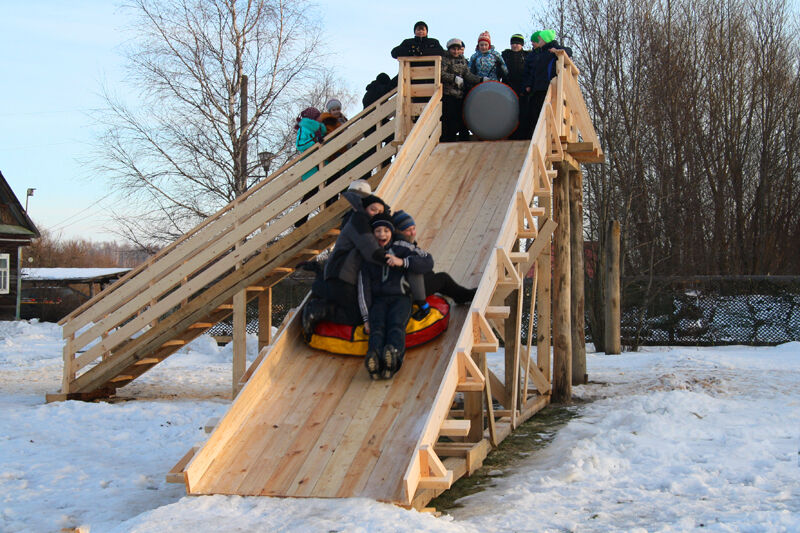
<point>382,219</point>
<point>420,23</point>
<point>517,38</point>
<point>372,199</point>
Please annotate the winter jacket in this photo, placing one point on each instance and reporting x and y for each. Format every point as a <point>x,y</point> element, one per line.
<point>377,88</point>
<point>382,280</point>
<point>515,62</point>
<point>540,66</point>
<point>309,133</point>
<point>331,122</point>
<point>418,46</point>
<point>457,66</point>
<point>354,244</point>
<point>488,64</point>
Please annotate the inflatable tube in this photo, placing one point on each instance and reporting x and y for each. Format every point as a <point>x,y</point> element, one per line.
<point>491,110</point>
<point>351,340</point>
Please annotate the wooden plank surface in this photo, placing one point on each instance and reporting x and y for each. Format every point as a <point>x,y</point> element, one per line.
<point>322,428</point>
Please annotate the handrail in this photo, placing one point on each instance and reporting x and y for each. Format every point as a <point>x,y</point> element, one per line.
<point>187,266</point>
<point>255,188</point>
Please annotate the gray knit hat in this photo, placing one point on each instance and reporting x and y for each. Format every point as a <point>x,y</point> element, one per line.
<point>455,40</point>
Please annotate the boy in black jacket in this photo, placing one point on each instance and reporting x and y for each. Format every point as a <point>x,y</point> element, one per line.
<point>540,68</point>
<point>385,300</point>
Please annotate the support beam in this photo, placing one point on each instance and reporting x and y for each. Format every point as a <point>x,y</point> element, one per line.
<point>265,318</point>
<point>612,304</point>
<point>562,334</point>
<point>577,296</point>
<point>239,340</point>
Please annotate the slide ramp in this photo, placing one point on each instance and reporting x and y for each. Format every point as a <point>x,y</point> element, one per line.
<point>311,424</point>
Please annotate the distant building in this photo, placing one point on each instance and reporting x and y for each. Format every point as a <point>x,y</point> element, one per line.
<point>16,230</point>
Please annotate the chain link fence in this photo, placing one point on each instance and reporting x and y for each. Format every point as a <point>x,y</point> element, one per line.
<point>710,310</point>
<point>692,311</point>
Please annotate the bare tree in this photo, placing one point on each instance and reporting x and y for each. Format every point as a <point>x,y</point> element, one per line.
<point>176,155</point>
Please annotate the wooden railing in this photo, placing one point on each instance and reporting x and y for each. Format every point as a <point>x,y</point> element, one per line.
<point>114,319</point>
<point>563,121</point>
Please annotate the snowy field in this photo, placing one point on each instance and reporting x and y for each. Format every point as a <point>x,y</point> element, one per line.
<point>681,439</point>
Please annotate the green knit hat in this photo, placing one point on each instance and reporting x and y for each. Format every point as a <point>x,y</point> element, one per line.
<point>546,36</point>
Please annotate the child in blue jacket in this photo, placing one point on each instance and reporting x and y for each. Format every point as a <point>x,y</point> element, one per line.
<point>487,62</point>
<point>385,300</point>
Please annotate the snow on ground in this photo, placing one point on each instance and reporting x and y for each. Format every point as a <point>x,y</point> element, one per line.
<point>671,439</point>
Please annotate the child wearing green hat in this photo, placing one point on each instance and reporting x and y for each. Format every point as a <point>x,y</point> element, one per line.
<point>540,68</point>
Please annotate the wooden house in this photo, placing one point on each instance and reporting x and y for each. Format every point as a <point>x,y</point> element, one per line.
<point>16,230</point>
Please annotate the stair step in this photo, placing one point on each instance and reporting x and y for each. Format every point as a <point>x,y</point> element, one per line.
<point>501,311</point>
<point>201,325</point>
<point>174,342</point>
<point>470,385</point>
<point>225,307</point>
<point>454,428</point>
<point>117,379</point>
<point>147,361</point>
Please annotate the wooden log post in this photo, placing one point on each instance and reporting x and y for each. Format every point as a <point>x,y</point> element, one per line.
<point>265,319</point>
<point>577,295</point>
<point>562,333</point>
<point>613,341</point>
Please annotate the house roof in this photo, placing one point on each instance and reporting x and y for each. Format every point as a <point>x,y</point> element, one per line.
<point>74,275</point>
<point>13,218</point>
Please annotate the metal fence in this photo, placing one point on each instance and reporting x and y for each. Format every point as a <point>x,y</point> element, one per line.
<point>710,310</point>
<point>699,310</point>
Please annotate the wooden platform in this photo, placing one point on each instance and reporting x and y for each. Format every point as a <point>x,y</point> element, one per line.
<point>309,424</point>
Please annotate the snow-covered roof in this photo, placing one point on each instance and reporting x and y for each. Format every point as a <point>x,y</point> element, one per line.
<point>52,274</point>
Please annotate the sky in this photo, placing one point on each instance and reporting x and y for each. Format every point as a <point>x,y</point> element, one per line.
<point>57,56</point>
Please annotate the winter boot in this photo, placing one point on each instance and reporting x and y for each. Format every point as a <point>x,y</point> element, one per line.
<point>313,312</point>
<point>373,364</point>
<point>389,362</point>
<point>423,308</point>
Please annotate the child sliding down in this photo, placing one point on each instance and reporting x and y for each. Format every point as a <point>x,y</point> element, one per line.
<point>384,299</point>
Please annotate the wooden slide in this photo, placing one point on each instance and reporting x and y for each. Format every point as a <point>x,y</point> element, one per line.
<point>313,424</point>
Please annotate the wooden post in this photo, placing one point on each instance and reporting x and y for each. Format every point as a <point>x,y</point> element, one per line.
<point>239,340</point>
<point>562,333</point>
<point>473,406</point>
<point>613,341</point>
<point>577,300</point>
<point>265,319</point>
<point>543,296</point>
<point>69,364</point>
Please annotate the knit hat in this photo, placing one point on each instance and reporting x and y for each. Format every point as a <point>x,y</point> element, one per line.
<point>382,219</point>
<point>333,103</point>
<point>517,38</point>
<point>455,41</point>
<point>420,23</point>
<point>361,187</point>
<point>546,35</point>
<point>402,220</point>
<point>485,37</point>
<point>309,112</point>
<point>372,199</point>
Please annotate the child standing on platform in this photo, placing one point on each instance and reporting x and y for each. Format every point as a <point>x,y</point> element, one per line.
<point>384,299</point>
<point>487,62</point>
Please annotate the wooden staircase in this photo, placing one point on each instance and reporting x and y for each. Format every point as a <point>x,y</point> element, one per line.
<point>249,245</point>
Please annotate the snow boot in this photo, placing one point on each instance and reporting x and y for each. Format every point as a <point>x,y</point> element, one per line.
<point>422,311</point>
<point>313,312</point>
<point>389,362</point>
<point>373,364</point>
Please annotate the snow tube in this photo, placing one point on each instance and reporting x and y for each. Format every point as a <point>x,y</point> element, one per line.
<point>491,110</point>
<point>351,340</point>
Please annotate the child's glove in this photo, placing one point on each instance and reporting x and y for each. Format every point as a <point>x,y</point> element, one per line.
<point>459,81</point>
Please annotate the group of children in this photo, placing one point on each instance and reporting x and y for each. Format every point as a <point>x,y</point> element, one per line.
<point>376,275</point>
<point>528,73</point>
